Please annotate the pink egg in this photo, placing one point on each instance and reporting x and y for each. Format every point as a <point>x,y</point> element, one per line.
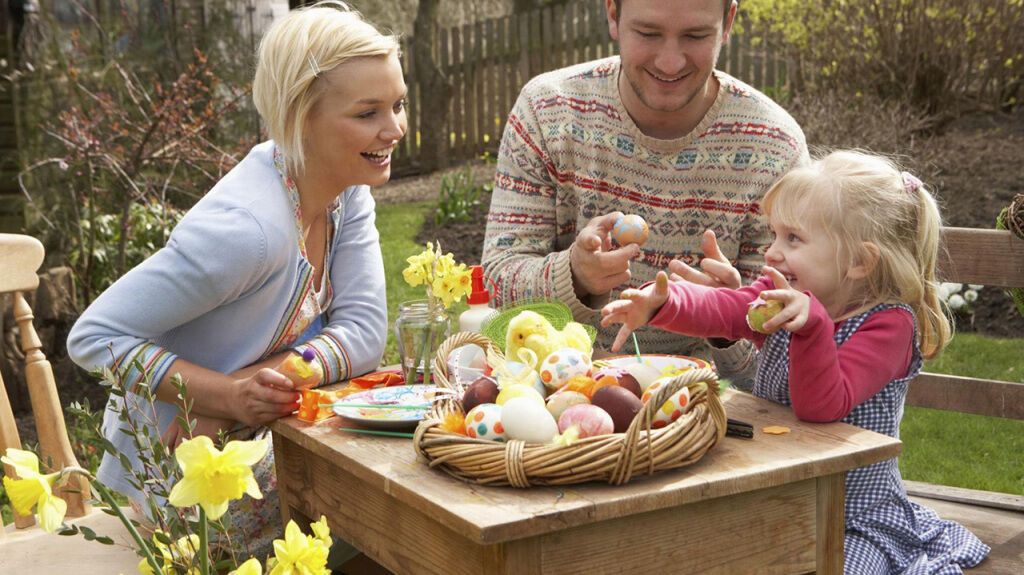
<point>630,229</point>
<point>590,419</point>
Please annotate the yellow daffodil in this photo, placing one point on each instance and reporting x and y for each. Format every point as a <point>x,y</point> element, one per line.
<point>33,490</point>
<point>299,554</point>
<point>322,531</point>
<point>250,567</point>
<point>212,478</point>
<point>182,552</point>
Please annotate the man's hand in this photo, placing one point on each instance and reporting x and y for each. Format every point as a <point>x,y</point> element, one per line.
<point>597,268</point>
<point>716,270</point>
<point>635,308</point>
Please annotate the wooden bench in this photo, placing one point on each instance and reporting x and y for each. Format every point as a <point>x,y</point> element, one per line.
<point>994,259</point>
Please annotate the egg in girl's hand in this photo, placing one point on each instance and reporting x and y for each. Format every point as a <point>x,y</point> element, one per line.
<point>484,422</point>
<point>591,420</point>
<point>672,407</point>
<point>483,390</point>
<point>559,402</point>
<point>519,390</point>
<point>761,311</point>
<point>644,374</point>
<point>562,365</point>
<point>526,420</point>
<point>622,378</point>
<point>630,229</point>
<point>620,403</point>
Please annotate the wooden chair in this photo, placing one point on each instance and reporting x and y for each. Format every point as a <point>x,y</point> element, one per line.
<point>26,546</point>
<point>994,259</point>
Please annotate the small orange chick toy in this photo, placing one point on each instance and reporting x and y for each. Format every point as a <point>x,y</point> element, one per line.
<point>302,370</point>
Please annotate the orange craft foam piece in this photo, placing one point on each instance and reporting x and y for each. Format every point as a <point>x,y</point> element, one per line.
<point>378,379</point>
<point>310,409</point>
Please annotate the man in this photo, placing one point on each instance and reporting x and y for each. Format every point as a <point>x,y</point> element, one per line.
<point>655,131</point>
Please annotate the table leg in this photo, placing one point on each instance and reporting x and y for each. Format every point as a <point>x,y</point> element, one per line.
<point>831,522</point>
<point>289,504</point>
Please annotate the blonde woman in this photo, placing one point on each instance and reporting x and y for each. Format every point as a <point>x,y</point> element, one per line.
<point>280,257</point>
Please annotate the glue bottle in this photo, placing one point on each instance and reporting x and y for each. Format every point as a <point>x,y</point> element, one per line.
<point>479,299</point>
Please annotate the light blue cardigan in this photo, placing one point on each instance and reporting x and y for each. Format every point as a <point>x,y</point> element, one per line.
<point>230,288</point>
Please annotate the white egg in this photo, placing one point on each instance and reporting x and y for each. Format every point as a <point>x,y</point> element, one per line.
<point>527,421</point>
<point>645,374</point>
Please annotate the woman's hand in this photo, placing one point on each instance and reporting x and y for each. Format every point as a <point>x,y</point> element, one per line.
<point>208,426</point>
<point>635,308</point>
<point>716,270</point>
<point>263,397</point>
<point>796,306</point>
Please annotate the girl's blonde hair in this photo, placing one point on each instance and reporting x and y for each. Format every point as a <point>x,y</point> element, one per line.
<point>294,53</point>
<point>860,200</point>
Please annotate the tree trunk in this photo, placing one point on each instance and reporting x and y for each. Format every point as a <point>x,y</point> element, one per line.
<point>435,89</point>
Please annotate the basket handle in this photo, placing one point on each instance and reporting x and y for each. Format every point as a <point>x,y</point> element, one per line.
<point>451,344</point>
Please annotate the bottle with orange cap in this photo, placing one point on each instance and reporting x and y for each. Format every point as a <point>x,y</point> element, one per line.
<point>479,303</point>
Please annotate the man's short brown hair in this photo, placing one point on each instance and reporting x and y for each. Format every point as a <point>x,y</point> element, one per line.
<point>725,12</point>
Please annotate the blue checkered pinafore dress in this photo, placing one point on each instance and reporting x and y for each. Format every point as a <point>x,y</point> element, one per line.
<point>885,531</point>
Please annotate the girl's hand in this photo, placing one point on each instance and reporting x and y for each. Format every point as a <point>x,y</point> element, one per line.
<point>796,306</point>
<point>635,308</point>
<point>716,269</point>
<point>263,397</point>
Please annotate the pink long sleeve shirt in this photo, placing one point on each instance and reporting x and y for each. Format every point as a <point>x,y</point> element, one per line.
<point>826,381</point>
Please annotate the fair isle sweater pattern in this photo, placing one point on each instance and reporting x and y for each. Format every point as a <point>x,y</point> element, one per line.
<point>570,152</point>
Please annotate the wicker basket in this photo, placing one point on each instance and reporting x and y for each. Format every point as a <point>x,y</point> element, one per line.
<point>614,458</point>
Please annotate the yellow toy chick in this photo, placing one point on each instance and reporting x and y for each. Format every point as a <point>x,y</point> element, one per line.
<point>532,331</point>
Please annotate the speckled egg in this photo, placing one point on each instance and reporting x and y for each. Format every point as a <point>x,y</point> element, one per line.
<point>591,420</point>
<point>519,390</point>
<point>630,229</point>
<point>622,378</point>
<point>484,422</point>
<point>559,402</point>
<point>672,408</point>
<point>562,365</point>
<point>527,421</point>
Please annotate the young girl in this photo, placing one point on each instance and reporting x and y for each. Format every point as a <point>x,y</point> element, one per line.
<point>853,263</point>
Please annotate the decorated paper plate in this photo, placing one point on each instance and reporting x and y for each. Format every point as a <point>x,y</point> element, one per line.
<point>387,407</point>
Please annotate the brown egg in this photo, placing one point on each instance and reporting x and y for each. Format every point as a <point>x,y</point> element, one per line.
<point>620,403</point>
<point>622,378</point>
<point>482,390</point>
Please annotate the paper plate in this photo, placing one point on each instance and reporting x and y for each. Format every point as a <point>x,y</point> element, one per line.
<point>382,417</point>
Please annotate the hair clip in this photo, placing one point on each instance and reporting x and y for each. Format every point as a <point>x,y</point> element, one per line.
<point>313,65</point>
<point>910,182</point>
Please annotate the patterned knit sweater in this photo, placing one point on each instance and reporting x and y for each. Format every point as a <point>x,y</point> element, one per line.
<point>571,152</point>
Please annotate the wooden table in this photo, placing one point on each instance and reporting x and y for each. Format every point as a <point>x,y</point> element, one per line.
<point>771,504</point>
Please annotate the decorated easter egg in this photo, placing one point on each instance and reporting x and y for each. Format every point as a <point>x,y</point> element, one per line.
<point>591,420</point>
<point>672,407</point>
<point>622,378</point>
<point>620,403</point>
<point>645,374</point>
<point>519,390</point>
<point>630,229</point>
<point>524,374</point>
<point>559,402</point>
<point>761,311</point>
<point>484,422</point>
<point>304,371</point>
<point>483,390</point>
<point>562,365</point>
<point>528,421</point>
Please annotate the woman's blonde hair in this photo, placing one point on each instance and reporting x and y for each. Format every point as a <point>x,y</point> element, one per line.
<point>863,200</point>
<point>295,51</point>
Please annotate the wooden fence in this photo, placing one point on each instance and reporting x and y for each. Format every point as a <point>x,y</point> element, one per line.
<point>488,62</point>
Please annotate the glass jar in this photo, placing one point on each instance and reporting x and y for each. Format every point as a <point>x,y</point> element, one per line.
<point>419,333</point>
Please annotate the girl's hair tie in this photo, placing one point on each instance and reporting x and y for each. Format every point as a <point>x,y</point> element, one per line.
<point>910,182</point>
